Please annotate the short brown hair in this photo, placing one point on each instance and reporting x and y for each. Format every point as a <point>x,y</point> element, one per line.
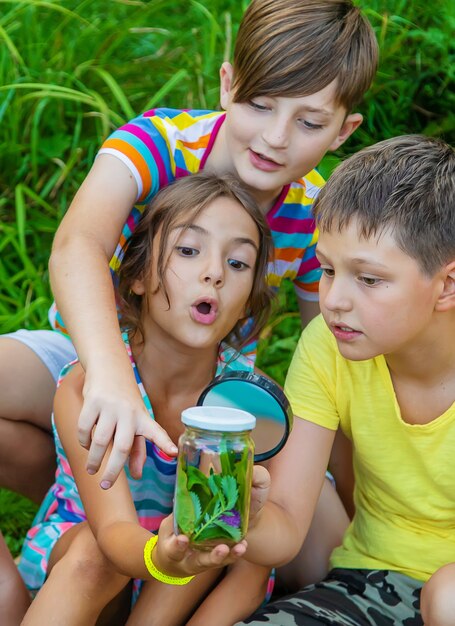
<point>404,185</point>
<point>296,48</point>
<point>188,197</point>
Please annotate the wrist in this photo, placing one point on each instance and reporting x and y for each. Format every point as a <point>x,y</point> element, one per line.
<point>110,354</point>
<point>157,557</point>
<point>153,565</point>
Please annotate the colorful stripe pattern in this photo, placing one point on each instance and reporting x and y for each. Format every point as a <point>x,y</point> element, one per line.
<point>164,144</point>
<point>62,507</point>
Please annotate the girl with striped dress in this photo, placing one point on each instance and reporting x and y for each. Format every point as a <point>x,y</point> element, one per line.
<point>193,271</point>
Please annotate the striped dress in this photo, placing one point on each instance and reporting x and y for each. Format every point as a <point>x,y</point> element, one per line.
<point>152,495</point>
<point>164,144</point>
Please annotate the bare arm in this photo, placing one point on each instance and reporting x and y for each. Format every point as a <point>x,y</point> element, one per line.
<point>82,284</point>
<point>297,475</point>
<point>111,513</point>
<point>103,508</point>
<point>340,464</point>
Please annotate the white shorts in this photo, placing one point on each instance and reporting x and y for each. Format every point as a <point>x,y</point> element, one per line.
<point>54,349</point>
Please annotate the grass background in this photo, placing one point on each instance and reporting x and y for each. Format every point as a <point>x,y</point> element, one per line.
<point>71,71</point>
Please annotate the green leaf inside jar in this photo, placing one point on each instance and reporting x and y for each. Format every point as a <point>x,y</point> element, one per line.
<point>210,508</point>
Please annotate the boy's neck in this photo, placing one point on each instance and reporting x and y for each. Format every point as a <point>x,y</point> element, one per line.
<point>423,376</point>
<point>431,359</point>
<point>220,162</point>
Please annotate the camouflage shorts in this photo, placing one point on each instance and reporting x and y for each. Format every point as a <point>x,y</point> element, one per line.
<point>348,597</point>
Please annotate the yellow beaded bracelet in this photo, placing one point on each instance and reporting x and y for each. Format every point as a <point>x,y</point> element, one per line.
<point>155,572</point>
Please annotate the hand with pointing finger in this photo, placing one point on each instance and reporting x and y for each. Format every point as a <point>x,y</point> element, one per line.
<point>114,411</point>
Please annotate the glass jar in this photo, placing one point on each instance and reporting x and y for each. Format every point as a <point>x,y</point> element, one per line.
<point>214,473</point>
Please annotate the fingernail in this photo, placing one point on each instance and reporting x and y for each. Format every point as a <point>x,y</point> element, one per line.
<point>90,471</point>
<point>105,484</point>
<point>174,449</point>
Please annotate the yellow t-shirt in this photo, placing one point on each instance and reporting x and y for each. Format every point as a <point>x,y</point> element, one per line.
<point>405,473</point>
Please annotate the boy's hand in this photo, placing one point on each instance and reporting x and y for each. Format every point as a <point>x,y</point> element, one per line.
<point>114,411</point>
<point>172,554</point>
<point>259,493</point>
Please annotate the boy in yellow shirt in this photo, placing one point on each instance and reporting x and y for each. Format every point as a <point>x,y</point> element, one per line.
<point>380,363</point>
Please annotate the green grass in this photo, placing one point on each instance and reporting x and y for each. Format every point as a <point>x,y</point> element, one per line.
<point>16,514</point>
<point>71,71</point>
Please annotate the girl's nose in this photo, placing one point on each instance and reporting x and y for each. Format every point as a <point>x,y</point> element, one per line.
<point>210,279</point>
<point>213,274</point>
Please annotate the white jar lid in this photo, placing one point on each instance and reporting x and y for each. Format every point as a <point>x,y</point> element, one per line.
<point>218,418</point>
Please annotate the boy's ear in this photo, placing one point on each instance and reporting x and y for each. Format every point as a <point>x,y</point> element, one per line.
<point>446,300</point>
<point>226,77</point>
<point>350,124</point>
<point>138,287</point>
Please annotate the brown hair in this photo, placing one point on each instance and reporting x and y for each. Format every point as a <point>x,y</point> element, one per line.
<point>188,197</point>
<point>297,47</point>
<point>405,185</point>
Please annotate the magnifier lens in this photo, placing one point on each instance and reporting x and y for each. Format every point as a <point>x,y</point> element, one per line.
<point>257,395</point>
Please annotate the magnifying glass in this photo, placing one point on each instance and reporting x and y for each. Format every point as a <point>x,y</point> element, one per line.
<point>259,396</point>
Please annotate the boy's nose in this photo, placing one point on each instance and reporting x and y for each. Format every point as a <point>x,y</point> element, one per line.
<point>336,297</point>
<point>276,133</point>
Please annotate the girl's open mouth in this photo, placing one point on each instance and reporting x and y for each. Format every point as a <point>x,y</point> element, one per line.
<point>204,311</point>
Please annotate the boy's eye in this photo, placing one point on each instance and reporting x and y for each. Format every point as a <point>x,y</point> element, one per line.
<point>258,106</point>
<point>369,281</point>
<point>328,271</point>
<point>238,265</point>
<point>187,251</point>
<point>310,125</point>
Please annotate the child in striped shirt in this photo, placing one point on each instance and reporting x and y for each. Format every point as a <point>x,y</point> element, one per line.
<point>298,72</point>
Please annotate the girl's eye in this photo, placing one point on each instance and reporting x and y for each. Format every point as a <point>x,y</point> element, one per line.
<point>328,271</point>
<point>187,251</point>
<point>238,265</point>
<point>369,281</point>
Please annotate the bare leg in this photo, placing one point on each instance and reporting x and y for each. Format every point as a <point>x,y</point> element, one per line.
<point>205,601</point>
<point>117,611</point>
<point>14,597</point>
<point>167,605</point>
<point>437,601</point>
<point>326,532</point>
<point>244,582</point>
<point>26,394</point>
<point>81,582</point>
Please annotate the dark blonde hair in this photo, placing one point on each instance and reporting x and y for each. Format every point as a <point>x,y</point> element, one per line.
<point>297,47</point>
<point>187,198</point>
<point>404,185</point>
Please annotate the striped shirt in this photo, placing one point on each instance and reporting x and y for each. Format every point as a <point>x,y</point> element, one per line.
<point>164,144</point>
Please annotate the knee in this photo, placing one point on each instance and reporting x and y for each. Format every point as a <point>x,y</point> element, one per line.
<point>90,570</point>
<point>437,600</point>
